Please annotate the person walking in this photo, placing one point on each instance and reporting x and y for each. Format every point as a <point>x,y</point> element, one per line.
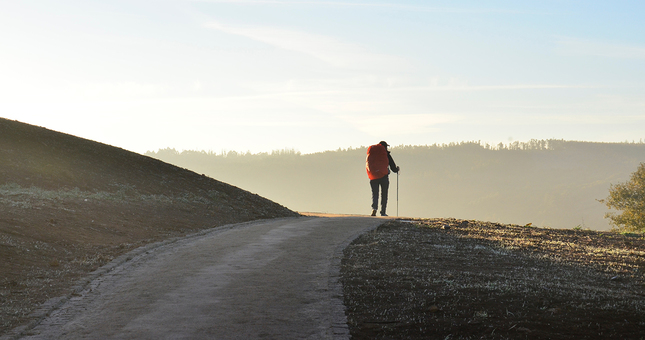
<point>377,162</point>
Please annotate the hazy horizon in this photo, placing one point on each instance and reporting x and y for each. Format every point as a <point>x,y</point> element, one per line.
<point>319,75</point>
<point>549,183</point>
<point>502,145</point>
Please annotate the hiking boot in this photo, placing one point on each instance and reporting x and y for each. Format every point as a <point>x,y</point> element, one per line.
<point>383,214</point>
<point>373,212</point>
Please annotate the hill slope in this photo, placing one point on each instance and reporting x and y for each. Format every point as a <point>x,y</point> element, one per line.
<point>69,205</point>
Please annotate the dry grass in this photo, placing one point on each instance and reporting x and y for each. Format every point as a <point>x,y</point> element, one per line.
<point>51,239</point>
<point>476,280</point>
<point>70,205</point>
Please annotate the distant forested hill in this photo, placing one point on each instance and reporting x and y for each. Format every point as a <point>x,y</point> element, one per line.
<point>551,183</point>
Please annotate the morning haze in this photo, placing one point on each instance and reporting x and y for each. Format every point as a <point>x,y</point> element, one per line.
<point>550,183</point>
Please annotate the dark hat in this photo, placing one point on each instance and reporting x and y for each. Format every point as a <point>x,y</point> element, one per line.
<point>384,143</point>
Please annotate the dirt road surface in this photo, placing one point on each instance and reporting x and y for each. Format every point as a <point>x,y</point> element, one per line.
<point>272,279</point>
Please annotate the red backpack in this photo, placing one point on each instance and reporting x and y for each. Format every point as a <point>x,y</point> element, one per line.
<point>376,162</point>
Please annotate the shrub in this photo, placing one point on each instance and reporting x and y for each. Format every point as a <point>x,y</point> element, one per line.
<point>628,197</point>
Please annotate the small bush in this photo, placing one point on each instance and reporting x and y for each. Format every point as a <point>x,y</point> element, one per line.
<point>628,197</point>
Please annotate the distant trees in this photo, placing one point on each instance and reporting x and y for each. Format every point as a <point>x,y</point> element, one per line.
<point>551,182</point>
<point>630,198</point>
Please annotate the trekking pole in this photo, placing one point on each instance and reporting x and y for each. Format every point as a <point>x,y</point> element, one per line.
<point>397,193</point>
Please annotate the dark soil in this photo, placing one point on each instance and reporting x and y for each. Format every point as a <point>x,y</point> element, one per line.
<point>476,280</point>
<point>70,205</point>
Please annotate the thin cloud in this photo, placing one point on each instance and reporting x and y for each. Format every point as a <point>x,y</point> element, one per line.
<point>327,49</point>
<point>398,124</point>
<point>578,47</point>
<point>365,98</point>
<point>467,88</point>
<point>396,6</point>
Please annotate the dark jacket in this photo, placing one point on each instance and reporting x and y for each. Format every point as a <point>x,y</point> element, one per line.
<point>392,164</point>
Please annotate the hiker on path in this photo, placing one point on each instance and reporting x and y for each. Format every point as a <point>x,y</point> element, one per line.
<point>377,162</point>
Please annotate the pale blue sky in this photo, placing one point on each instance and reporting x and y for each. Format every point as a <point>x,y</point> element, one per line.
<point>319,75</point>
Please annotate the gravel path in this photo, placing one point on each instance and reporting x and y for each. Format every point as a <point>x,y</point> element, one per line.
<point>269,279</point>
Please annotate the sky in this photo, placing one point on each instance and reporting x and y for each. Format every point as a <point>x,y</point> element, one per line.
<point>321,75</point>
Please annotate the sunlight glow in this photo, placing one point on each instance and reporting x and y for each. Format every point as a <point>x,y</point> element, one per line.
<point>321,75</point>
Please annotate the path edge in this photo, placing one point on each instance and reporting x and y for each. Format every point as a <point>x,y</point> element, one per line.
<point>53,304</point>
<point>339,328</point>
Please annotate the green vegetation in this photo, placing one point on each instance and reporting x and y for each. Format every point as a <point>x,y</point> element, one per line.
<point>628,197</point>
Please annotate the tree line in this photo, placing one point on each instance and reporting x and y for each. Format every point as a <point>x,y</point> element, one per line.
<point>554,183</point>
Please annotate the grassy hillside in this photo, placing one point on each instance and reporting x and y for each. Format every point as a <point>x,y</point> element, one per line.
<point>69,205</point>
<point>550,183</point>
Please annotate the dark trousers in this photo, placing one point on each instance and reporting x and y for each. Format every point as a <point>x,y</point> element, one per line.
<point>384,184</point>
